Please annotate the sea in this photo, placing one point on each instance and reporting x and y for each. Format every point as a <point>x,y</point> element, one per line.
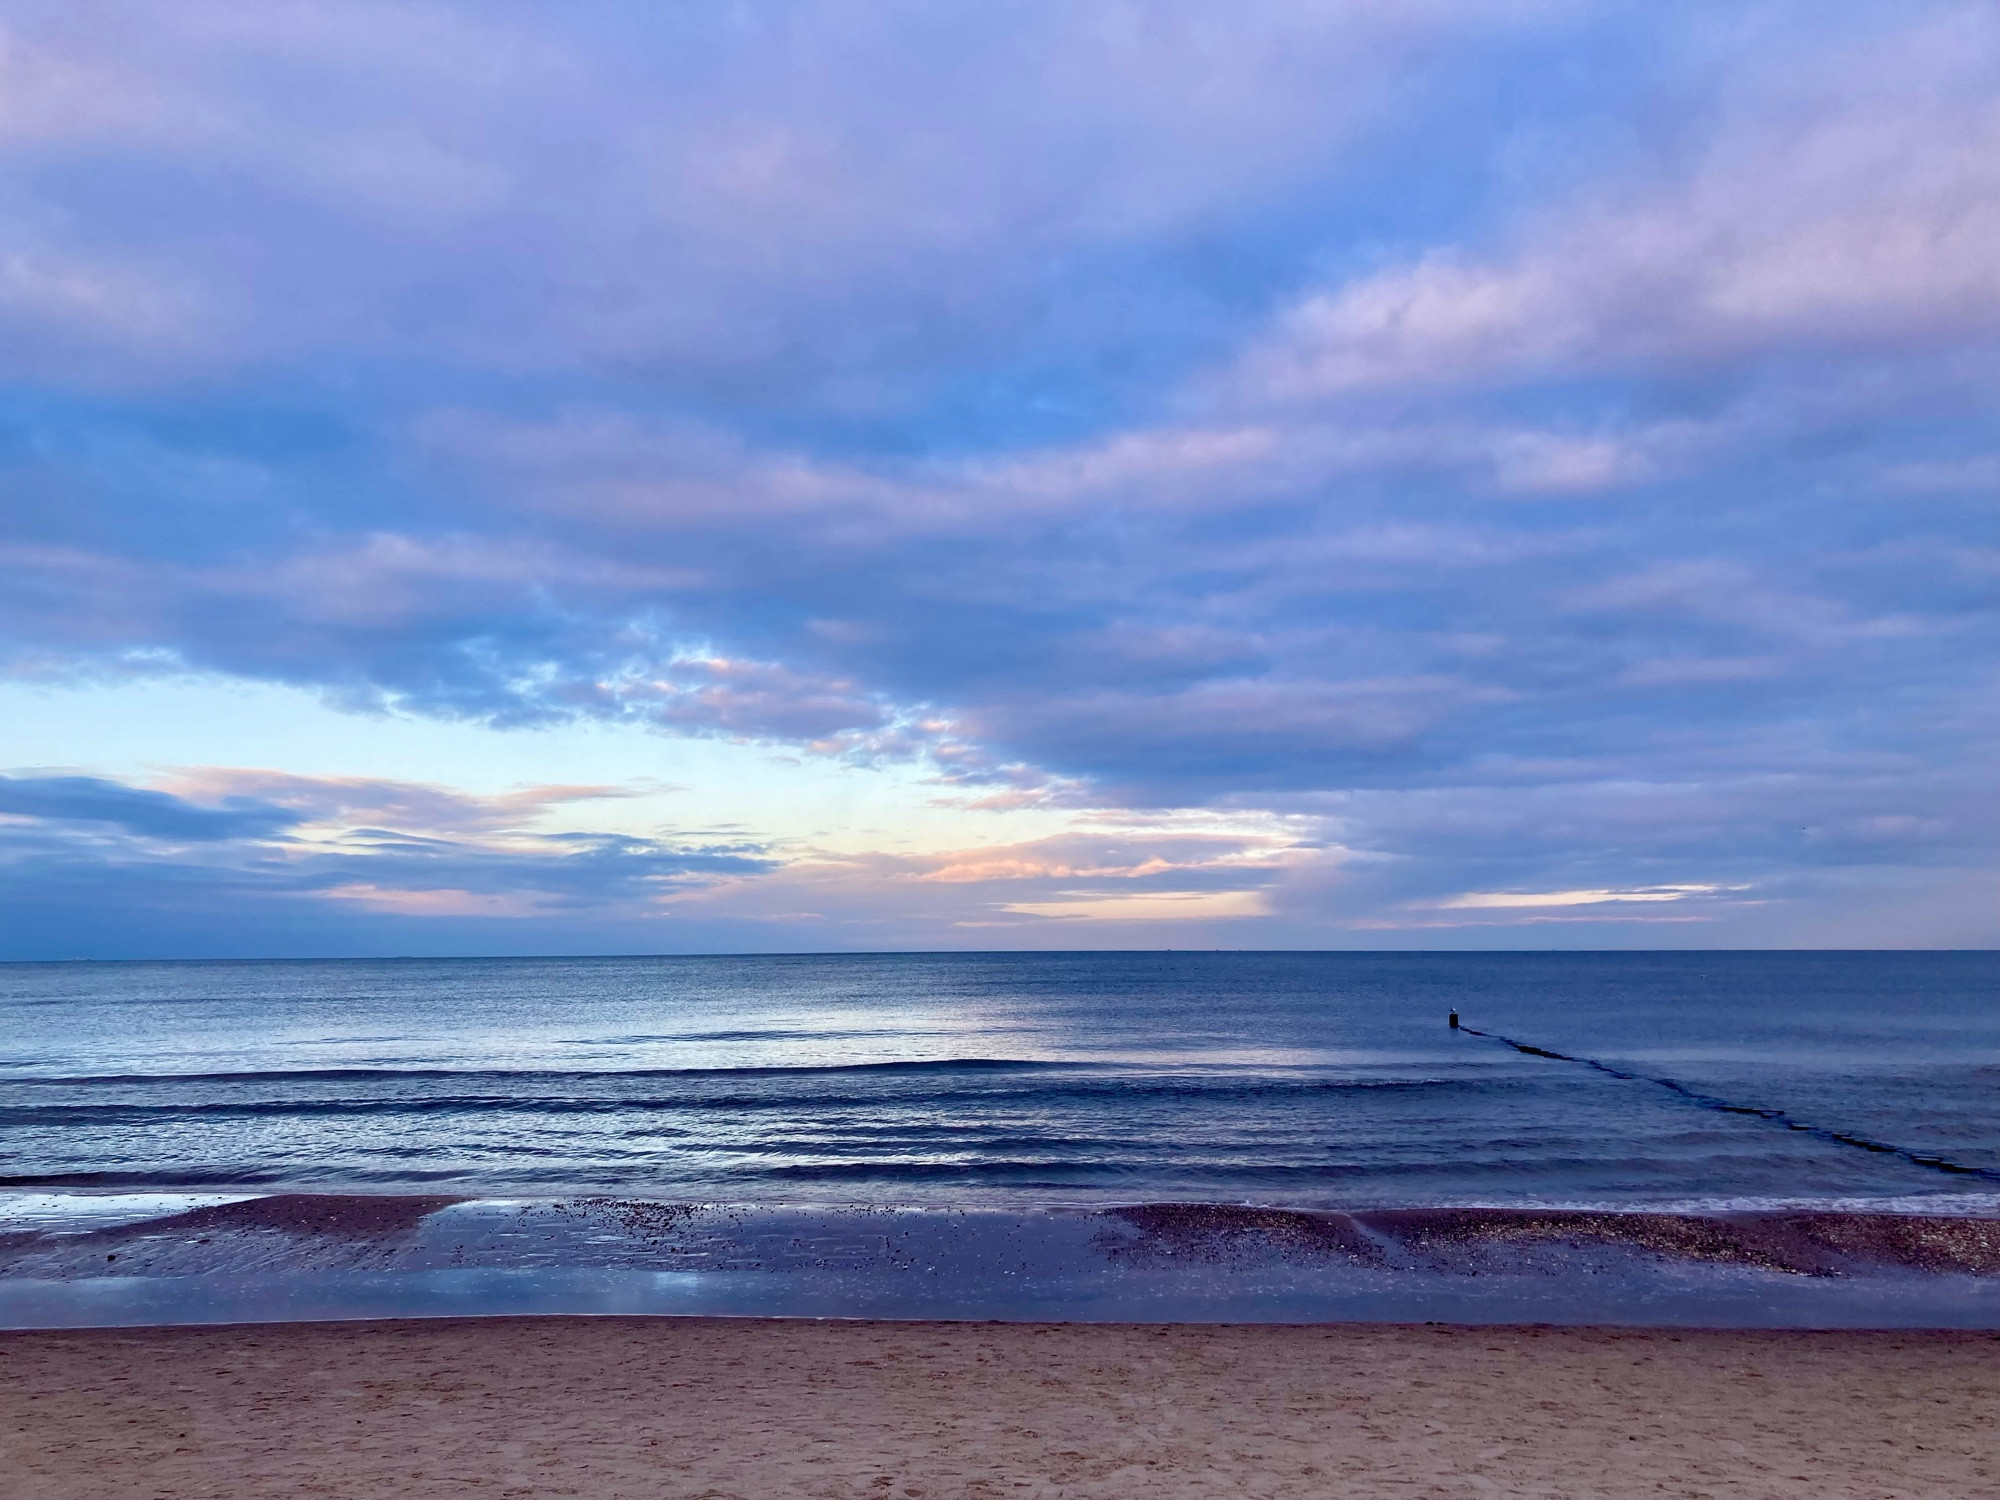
<point>1751,1138</point>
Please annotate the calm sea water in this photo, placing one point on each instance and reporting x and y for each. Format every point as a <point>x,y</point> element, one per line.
<point>1297,1079</point>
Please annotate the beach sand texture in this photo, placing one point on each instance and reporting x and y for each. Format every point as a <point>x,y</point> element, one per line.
<point>725,1407</point>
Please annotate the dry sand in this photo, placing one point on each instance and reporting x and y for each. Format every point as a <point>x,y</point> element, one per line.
<point>721,1407</point>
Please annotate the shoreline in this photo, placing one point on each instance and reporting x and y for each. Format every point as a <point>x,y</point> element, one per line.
<point>613,1407</point>
<point>311,1257</point>
<point>1811,1239</point>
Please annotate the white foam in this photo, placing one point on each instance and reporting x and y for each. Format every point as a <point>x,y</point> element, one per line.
<point>82,1211</point>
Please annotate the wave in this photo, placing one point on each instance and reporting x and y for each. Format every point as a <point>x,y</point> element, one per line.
<point>171,1179</point>
<point>1099,1175</point>
<point>767,1034</point>
<point>1087,1089</point>
<point>369,1075</point>
<point>195,1179</point>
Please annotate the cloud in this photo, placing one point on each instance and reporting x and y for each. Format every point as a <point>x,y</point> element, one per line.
<point>1153,906</point>
<point>140,811</point>
<point>1848,203</point>
<point>806,200</point>
<point>1541,900</point>
<point>339,802</point>
<point>1406,416</point>
<point>397,862</point>
<point>273,848</point>
<point>350,864</point>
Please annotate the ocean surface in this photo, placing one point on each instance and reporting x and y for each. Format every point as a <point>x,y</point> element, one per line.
<point>564,1100</point>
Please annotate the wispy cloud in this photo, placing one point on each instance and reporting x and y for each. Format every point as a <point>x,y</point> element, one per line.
<point>1538,900</point>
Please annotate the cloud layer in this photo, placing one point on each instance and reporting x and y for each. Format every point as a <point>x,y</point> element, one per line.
<point>1516,450</point>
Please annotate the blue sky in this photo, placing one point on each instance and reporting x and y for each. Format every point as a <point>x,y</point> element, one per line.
<point>614,477</point>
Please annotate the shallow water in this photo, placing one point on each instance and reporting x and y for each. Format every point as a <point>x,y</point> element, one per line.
<point>994,1106</point>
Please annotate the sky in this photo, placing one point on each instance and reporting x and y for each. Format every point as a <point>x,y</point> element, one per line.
<point>503,478</point>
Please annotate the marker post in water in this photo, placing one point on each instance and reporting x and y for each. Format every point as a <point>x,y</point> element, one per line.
<point>1454,1020</point>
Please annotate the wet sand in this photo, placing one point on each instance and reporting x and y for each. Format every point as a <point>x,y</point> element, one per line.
<point>1799,1242</point>
<point>719,1407</point>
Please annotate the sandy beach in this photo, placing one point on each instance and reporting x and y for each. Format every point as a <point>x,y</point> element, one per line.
<point>720,1407</point>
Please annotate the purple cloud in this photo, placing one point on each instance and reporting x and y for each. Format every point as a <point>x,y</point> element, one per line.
<point>1405,417</point>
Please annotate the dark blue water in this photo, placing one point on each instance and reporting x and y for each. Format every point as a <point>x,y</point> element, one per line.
<point>1299,1079</point>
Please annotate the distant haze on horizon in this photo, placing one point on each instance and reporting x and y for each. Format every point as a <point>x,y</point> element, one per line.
<point>502,478</point>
